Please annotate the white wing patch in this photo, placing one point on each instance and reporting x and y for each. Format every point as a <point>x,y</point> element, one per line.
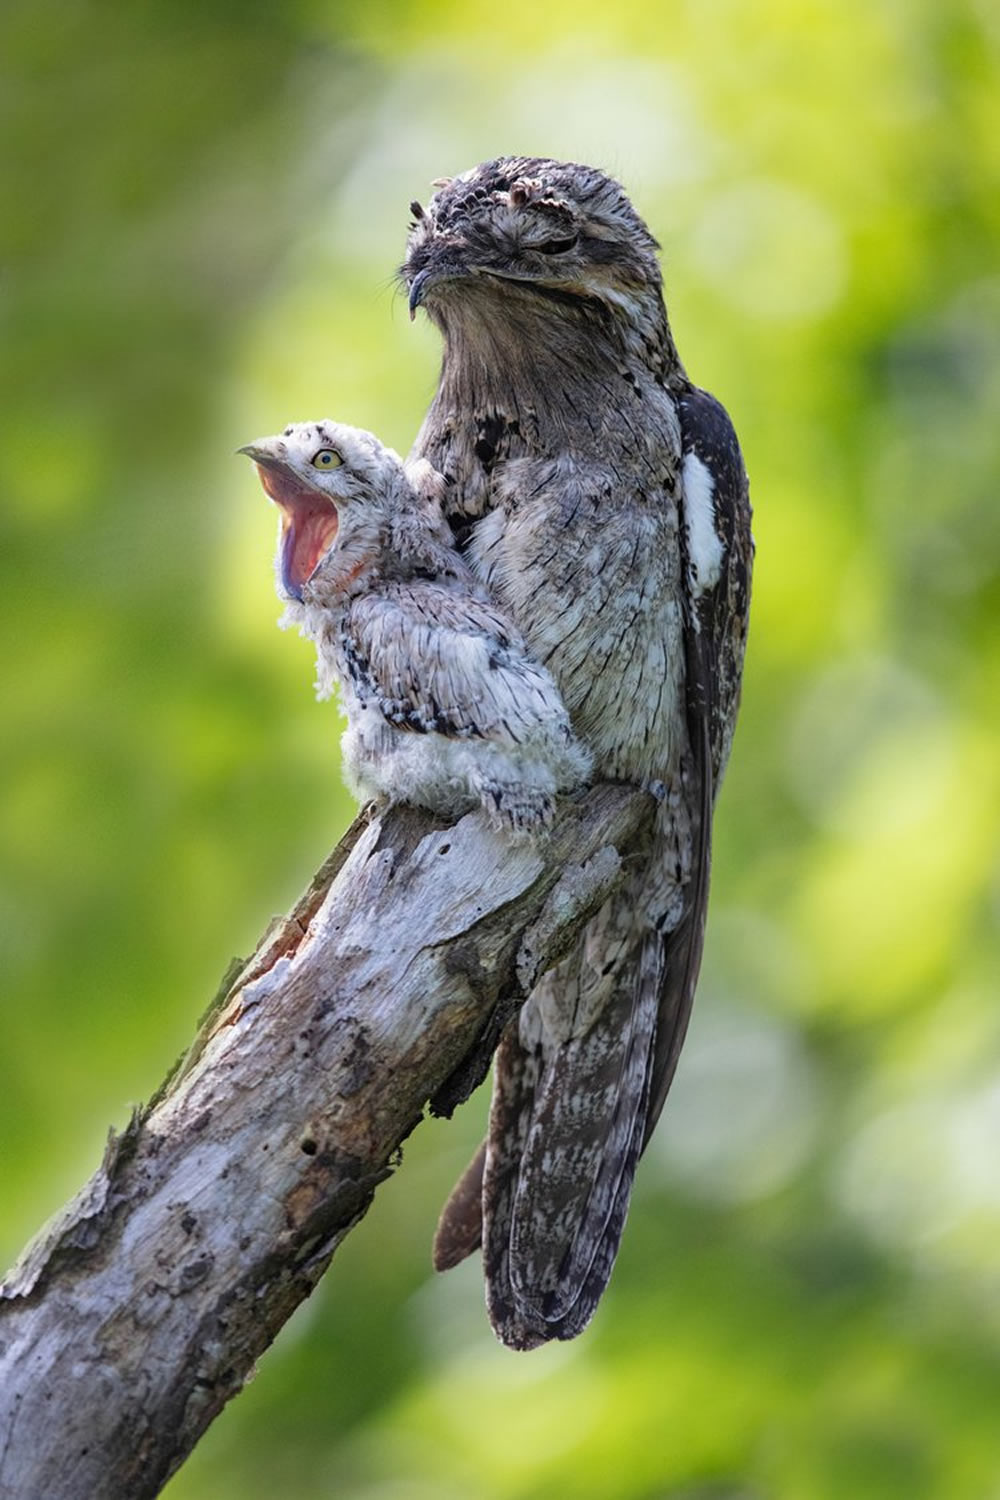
<point>705,549</point>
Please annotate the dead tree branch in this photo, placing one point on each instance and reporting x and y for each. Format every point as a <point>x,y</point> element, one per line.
<point>139,1311</point>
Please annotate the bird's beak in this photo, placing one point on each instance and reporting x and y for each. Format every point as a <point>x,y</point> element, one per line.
<point>308,517</point>
<point>443,261</point>
<point>451,270</point>
<point>417,287</point>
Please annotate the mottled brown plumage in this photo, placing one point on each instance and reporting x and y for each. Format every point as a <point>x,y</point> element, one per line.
<point>602,498</point>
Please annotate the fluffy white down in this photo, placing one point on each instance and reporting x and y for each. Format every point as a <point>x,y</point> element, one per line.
<point>446,707</point>
<point>453,776</point>
<point>515,781</point>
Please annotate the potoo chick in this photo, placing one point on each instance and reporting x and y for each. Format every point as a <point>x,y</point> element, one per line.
<point>446,708</point>
<point>602,498</point>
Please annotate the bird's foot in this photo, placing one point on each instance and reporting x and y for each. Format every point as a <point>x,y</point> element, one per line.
<point>517,809</point>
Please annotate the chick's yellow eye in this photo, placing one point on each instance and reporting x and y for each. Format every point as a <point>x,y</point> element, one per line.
<point>327,458</point>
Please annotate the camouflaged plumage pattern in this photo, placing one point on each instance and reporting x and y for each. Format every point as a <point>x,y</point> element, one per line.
<point>564,426</point>
<point>446,707</point>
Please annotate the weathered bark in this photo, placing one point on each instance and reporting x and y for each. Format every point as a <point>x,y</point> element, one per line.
<point>140,1310</point>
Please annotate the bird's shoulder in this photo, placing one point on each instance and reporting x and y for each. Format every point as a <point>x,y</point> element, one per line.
<point>716,488</point>
<point>424,603</point>
<point>718,548</point>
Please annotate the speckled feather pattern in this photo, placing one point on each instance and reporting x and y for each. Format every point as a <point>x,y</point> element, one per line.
<point>561,425</point>
<point>446,706</point>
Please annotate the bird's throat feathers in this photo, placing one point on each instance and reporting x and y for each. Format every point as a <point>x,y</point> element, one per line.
<point>542,377</point>
<point>503,338</point>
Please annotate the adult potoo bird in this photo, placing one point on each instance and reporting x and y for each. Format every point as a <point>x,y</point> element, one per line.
<point>445,706</point>
<point>602,497</point>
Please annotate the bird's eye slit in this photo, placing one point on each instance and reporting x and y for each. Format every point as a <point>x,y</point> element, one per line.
<point>327,458</point>
<point>555,247</point>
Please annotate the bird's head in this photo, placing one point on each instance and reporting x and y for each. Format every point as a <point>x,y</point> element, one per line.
<point>534,228</point>
<point>335,486</point>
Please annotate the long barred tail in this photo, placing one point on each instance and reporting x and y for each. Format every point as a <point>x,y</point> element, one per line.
<point>578,1083</point>
<point>580,1079</point>
<point>566,1129</point>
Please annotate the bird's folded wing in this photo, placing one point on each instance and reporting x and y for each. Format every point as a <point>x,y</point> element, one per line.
<point>718,556</point>
<point>446,663</point>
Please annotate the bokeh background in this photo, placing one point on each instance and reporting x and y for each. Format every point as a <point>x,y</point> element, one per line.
<point>203,206</point>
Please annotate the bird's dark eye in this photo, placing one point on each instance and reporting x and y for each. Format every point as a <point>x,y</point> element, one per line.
<point>327,458</point>
<point>556,247</point>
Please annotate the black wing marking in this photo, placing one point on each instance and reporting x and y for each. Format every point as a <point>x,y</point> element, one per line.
<point>716,619</point>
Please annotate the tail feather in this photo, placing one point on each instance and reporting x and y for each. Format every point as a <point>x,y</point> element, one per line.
<point>581,1151</point>
<point>580,1079</point>
<point>598,1272</point>
<point>460,1228</point>
<point>566,1129</point>
<point>515,1078</point>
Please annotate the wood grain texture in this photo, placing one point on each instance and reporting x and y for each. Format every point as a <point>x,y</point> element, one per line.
<point>140,1310</point>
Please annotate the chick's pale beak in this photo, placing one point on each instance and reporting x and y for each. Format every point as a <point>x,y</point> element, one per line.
<point>308,518</point>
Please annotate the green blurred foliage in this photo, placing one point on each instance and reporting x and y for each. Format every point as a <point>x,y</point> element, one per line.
<point>202,212</point>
